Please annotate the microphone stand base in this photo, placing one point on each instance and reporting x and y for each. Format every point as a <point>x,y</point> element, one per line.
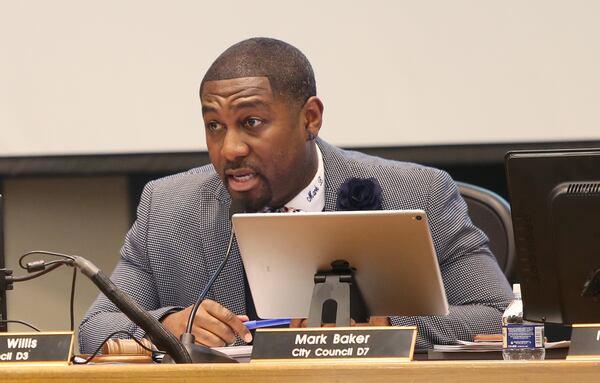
<point>202,354</point>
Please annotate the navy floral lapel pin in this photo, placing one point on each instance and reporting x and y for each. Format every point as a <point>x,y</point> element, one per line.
<point>360,194</point>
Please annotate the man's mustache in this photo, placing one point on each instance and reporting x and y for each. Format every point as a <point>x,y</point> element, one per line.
<point>234,165</point>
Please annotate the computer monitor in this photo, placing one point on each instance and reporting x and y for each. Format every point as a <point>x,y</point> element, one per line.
<point>555,202</point>
<point>3,326</point>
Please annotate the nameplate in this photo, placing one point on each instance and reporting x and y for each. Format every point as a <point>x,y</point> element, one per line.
<point>36,348</point>
<point>339,343</point>
<point>585,342</point>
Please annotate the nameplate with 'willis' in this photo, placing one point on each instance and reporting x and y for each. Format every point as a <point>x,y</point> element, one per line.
<point>340,343</point>
<point>585,342</point>
<point>36,348</point>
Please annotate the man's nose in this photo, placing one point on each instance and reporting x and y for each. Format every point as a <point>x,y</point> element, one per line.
<point>234,145</point>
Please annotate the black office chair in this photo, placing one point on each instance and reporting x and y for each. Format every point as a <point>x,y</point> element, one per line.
<point>491,213</point>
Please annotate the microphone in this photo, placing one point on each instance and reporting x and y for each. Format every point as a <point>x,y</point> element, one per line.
<point>159,336</point>
<point>199,353</point>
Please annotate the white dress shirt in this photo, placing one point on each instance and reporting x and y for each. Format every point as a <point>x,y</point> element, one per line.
<point>312,197</point>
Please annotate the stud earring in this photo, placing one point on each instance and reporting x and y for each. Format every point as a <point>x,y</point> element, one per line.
<point>311,136</point>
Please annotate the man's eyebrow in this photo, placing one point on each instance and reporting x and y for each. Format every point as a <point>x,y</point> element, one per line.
<point>240,105</point>
<point>207,109</point>
<point>250,104</point>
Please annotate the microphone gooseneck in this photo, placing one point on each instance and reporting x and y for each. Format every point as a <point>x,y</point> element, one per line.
<point>211,282</point>
<point>200,353</point>
<point>236,207</point>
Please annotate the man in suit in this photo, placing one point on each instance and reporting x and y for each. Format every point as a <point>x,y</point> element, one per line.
<point>262,119</point>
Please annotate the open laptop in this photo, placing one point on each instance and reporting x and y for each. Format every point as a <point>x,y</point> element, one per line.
<point>397,269</point>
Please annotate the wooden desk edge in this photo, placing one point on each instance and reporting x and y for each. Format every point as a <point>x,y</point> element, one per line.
<point>449,371</point>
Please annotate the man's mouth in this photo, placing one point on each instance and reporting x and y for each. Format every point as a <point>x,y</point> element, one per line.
<point>241,180</point>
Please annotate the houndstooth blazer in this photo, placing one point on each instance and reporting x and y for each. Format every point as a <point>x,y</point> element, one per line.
<point>182,228</point>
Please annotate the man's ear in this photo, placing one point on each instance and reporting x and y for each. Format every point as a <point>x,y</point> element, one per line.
<point>312,112</point>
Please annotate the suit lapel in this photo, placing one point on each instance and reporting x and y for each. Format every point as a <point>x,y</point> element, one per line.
<point>336,172</point>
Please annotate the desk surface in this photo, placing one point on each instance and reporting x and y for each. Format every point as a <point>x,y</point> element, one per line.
<point>426,371</point>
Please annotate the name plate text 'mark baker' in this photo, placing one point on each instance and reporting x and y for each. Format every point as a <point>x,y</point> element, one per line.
<point>340,343</point>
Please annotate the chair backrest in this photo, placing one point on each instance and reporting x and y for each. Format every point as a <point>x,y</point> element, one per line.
<point>491,213</point>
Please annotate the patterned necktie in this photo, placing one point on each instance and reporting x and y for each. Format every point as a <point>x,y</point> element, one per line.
<point>284,209</point>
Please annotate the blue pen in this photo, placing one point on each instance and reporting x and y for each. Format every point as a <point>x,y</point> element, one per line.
<point>254,324</point>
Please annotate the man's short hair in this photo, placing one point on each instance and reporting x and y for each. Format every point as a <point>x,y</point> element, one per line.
<point>288,70</point>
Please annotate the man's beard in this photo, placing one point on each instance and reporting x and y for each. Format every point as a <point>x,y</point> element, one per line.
<point>255,204</point>
<point>265,193</point>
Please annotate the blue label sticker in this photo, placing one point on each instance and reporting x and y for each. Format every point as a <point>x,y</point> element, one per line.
<point>523,336</point>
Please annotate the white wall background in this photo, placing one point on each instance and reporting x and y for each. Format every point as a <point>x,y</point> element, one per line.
<point>82,76</point>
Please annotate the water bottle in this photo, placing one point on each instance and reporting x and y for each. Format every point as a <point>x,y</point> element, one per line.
<point>521,340</point>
